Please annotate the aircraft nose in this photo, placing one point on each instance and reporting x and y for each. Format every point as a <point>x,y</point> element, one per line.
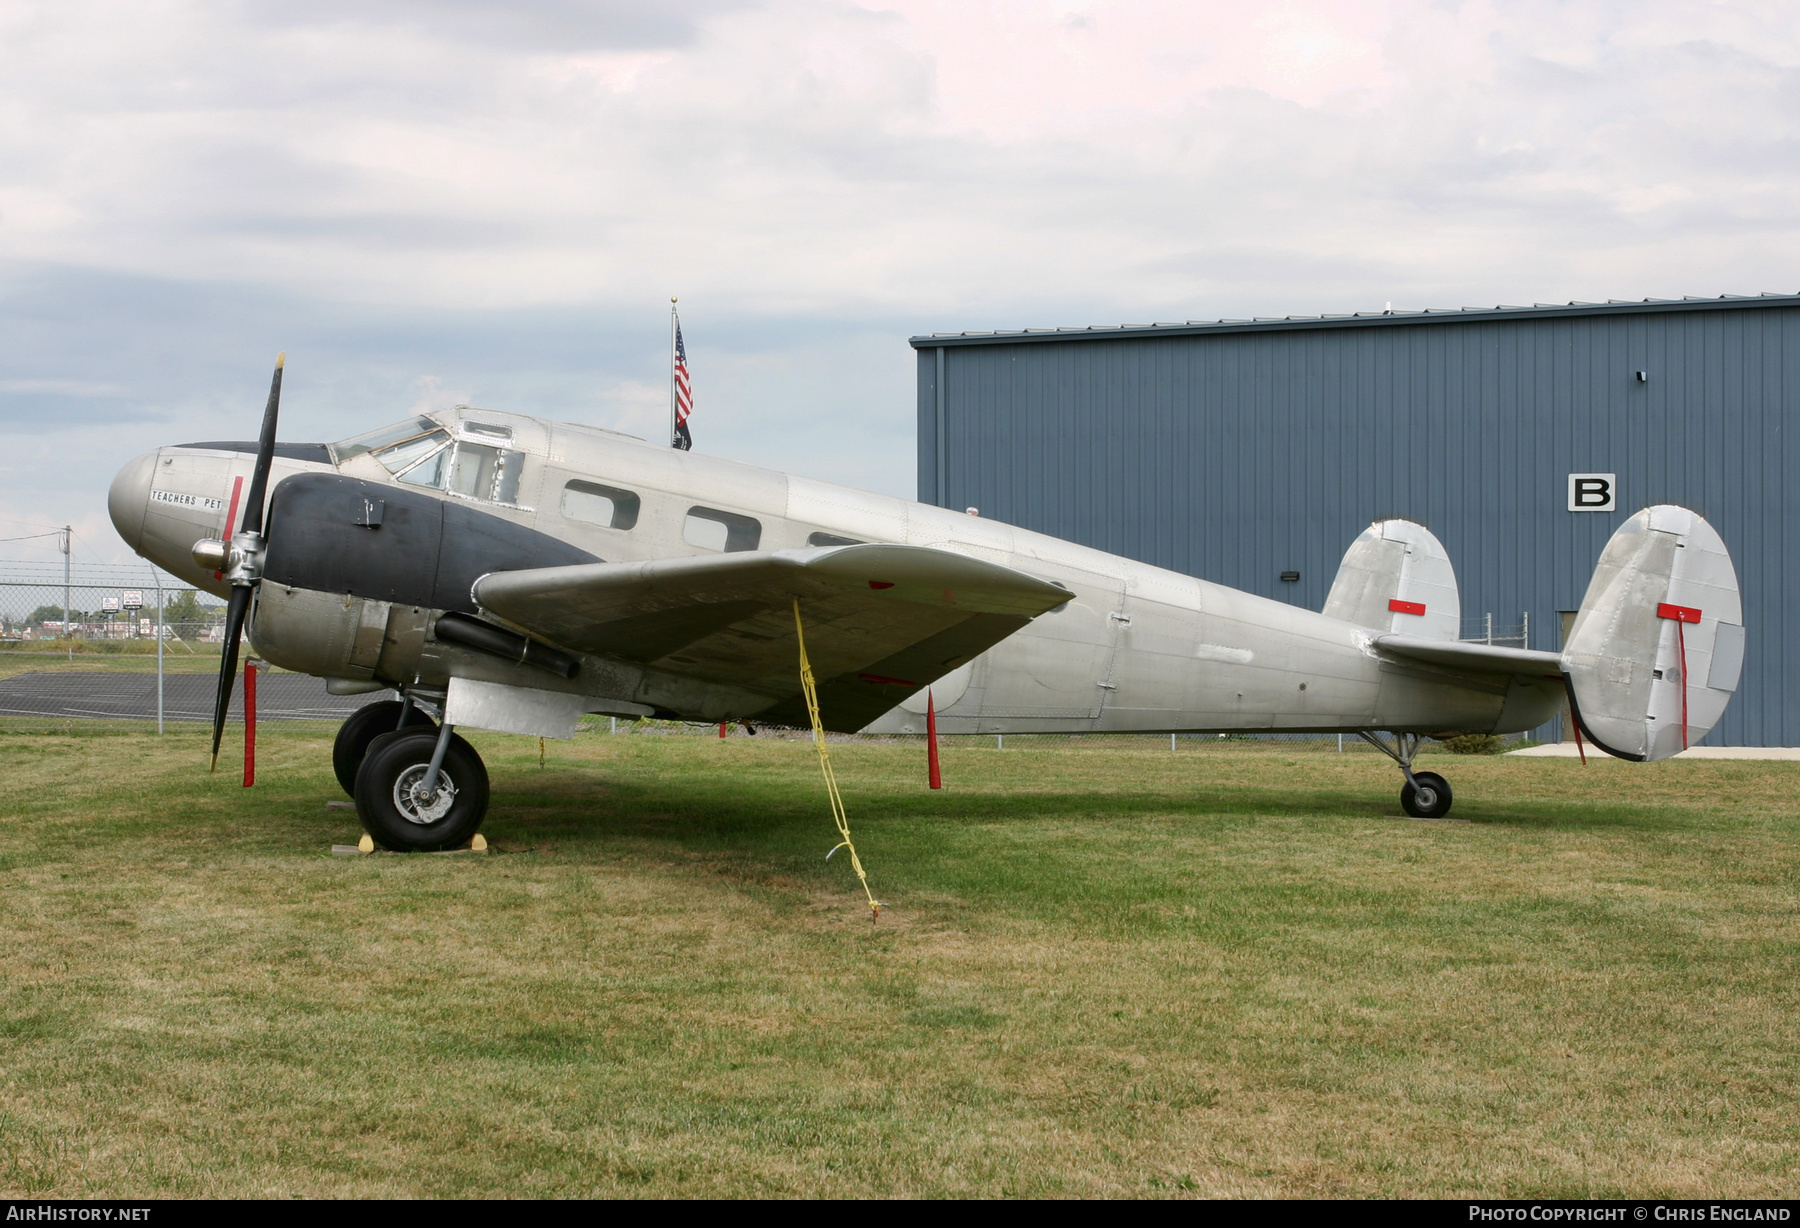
<point>129,499</point>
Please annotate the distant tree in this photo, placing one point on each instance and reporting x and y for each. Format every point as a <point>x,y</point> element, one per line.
<point>184,615</point>
<point>53,614</point>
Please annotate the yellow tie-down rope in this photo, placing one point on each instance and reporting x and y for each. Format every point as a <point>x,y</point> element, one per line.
<point>837,801</point>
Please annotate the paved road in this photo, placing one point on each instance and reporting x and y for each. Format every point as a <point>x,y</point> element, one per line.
<point>186,697</point>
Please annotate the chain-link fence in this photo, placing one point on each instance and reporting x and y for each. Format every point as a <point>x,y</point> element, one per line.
<point>106,619</point>
<point>1482,629</point>
<point>126,645</point>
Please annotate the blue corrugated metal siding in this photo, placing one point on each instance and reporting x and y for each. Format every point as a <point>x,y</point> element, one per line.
<point>1237,455</point>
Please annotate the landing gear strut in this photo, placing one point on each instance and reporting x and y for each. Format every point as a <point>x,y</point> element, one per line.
<point>1426,795</point>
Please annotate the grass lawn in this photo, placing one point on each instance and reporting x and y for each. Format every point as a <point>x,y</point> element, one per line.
<point>1107,970</point>
<point>120,656</point>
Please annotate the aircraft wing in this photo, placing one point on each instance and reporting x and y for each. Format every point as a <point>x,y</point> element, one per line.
<point>882,621</point>
<point>1471,658</point>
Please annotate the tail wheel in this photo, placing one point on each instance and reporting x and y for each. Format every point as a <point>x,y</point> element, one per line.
<point>365,725</point>
<point>1429,800</point>
<point>394,806</point>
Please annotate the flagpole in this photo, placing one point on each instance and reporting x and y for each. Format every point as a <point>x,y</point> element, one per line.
<point>673,325</point>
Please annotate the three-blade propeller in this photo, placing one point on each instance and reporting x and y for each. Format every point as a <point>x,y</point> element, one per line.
<point>244,559</point>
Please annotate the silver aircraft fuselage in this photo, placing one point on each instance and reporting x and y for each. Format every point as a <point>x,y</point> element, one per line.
<point>1138,649</point>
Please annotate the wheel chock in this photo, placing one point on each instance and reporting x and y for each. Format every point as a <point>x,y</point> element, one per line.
<point>340,805</point>
<point>366,846</point>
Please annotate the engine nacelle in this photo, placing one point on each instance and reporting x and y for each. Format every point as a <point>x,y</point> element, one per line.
<point>333,635</point>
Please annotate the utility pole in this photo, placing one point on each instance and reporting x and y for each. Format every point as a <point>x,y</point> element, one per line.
<point>67,634</point>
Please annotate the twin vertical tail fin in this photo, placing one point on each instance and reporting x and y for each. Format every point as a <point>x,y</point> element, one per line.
<point>1655,653</point>
<point>1397,578</point>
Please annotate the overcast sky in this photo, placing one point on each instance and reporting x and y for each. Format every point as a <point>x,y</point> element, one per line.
<point>427,202</point>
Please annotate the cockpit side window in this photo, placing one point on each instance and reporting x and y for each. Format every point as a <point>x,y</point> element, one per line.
<point>420,453</point>
<point>470,469</point>
<point>473,471</point>
<point>419,460</point>
<point>374,441</point>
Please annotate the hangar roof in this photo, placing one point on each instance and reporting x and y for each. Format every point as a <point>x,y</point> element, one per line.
<point>1360,319</point>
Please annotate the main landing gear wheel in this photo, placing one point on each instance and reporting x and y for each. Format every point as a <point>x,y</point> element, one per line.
<point>364,726</point>
<point>396,808</point>
<point>1426,796</point>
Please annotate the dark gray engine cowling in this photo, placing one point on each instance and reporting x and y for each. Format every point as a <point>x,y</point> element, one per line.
<point>336,534</point>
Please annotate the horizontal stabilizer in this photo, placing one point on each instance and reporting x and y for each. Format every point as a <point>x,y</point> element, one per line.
<point>1472,658</point>
<point>1655,653</point>
<point>1396,577</point>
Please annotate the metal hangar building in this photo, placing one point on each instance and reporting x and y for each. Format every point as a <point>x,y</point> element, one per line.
<point>1252,452</point>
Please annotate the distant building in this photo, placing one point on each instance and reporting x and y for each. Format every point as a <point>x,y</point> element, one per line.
<point>1251,452</point>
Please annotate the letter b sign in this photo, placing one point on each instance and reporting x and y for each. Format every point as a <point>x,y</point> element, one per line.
<point>1593,492</point>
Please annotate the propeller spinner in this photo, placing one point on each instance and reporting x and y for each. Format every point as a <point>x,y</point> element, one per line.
<point>241,560</point>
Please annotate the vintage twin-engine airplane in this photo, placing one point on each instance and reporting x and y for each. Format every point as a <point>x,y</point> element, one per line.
<point>511,574</point>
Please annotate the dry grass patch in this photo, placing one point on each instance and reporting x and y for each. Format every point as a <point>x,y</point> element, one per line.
<point>1109,970</point>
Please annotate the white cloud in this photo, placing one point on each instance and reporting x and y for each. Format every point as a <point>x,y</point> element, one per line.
<point>818,177</point>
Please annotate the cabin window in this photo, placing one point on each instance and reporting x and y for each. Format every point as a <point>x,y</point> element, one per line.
<point>710,529</point>
<point>602,505</point>
<point>831,539</point>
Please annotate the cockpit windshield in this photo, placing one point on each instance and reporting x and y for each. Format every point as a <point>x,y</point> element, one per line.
<point>421,453</point>
<point>402,457</point>
<point>374,441</point>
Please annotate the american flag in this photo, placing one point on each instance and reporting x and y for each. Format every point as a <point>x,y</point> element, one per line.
<point>684,394</point>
